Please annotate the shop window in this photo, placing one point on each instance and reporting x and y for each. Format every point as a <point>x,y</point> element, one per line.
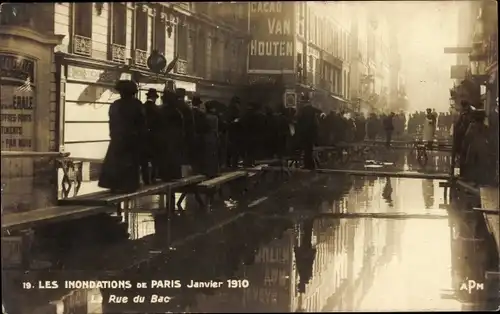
<point>83,19</point>
<point>141,28</point>
<point>119,23</point>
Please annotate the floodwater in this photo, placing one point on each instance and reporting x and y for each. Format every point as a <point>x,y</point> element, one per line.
<point>278,249</point>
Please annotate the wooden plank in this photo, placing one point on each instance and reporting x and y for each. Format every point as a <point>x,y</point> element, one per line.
<point>444,184</point>
<point>306,214</point>
<point>26,220</point>
<point>222,179</point>
<point>398,174</point>
<point>106,198</point>
<point>83,159</point>
<point>267,161</point>
<point>20,154</point>
<point>469,187</point>
<point>487,211</point>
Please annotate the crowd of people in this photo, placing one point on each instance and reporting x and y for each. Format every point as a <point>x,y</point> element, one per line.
<point>155,141</point>
<point>417,120</point>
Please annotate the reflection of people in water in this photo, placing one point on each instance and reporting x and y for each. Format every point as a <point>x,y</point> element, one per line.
<point>387,192</point>
<point>305,255</point>
<point>428,193</point>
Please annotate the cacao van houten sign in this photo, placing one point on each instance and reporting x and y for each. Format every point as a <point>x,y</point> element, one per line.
<point>272,47</point>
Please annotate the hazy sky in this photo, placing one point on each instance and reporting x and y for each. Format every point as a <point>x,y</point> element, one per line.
<point>423,29</point>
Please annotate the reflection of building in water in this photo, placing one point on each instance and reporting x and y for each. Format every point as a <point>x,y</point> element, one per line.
<point>329,266</point>
<point>140,225</point>
<point>81,301</point>
<point>269,277</point>
<point>428,193</point>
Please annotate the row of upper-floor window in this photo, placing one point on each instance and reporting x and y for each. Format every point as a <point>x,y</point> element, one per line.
<point>322,32</point>
<point>148,22</point>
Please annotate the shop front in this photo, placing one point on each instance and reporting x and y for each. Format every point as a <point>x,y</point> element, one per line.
<point>29,114</point>
<point>222,93</point>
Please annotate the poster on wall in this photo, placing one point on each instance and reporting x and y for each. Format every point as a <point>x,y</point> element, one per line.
<point>17,104</point>
<point>272,48</point>
<point>17,99</point>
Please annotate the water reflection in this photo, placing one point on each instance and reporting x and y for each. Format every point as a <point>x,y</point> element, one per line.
<point>291,261</point>
<point>428,193</point>
<point>387,193</point>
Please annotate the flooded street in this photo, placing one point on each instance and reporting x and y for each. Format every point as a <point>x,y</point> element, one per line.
<point>280,248</point>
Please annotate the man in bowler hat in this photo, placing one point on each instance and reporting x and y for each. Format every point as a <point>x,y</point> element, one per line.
<point>149,160</point>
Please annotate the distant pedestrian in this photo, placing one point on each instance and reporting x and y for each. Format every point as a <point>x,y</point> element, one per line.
<point>429,128</point>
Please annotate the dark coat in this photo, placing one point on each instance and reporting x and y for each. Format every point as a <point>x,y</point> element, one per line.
<point>211,153</point>
<point>307,125</point>
<point>189,131</point>
<point>127,129</point>
<point>388,123</point>
<point>172,142</point>
<point>153,122</point>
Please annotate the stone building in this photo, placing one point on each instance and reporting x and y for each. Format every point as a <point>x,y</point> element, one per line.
<point>312,55</point>
<point>101,42</point>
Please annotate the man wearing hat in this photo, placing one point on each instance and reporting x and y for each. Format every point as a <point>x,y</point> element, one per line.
<point>478,163</point>
<point>200,129</point>
<point>149,162</point>
<point>189,128</point>
<point>307,130</point>
<point>234,143</point>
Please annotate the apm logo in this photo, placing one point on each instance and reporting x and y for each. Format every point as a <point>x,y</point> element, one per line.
<point>471,285</point>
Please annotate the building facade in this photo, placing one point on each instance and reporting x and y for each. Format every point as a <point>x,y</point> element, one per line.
<point>375,61</point>
<point>302,46</point>
<point>107,41</point>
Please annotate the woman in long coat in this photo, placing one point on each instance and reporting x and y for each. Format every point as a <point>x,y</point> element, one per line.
<point>429,128</point>
<point>127,128</point>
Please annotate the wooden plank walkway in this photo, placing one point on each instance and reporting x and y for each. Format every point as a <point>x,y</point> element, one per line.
<point>26,220</point>
<point>313,215</point>
<point>21,154</point>
<point>222,179</point>
<point>347,145</point>
<point>106,198</point>
<point>395,174</point>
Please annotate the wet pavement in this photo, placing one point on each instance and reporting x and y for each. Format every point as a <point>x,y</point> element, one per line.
<point>279,248</point>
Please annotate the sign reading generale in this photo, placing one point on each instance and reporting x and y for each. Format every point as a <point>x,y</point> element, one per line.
<point>272,47</point>
<point>17,102</point>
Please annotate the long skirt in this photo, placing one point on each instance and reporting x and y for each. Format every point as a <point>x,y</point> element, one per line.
<point>120,169</point>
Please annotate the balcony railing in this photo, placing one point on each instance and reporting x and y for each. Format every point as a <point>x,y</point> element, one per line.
<point>141,58</point>
<point>118,53</point>
<point>82,45</point>
<point>181,67</point>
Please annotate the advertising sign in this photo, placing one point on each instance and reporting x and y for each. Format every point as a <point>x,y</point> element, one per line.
<point>272,47</point>
<point>17,99</point>
<point>290,99</point>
